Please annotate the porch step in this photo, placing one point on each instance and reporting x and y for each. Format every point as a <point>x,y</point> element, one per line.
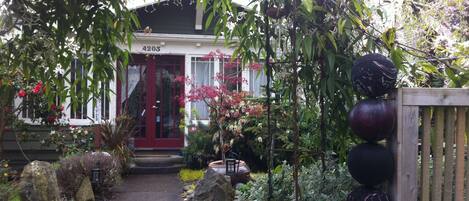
<point>156,162</point>
<point>156,170</point>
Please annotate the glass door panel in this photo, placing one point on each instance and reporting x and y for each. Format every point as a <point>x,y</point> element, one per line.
<point>133,93</point>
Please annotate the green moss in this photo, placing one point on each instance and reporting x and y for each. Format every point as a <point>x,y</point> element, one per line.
<point>189,175</point>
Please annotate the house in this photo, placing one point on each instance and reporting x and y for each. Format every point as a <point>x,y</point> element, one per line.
<point>173,45</point>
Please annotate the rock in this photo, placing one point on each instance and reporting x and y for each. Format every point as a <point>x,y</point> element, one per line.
<point>214,187</point>
<point>39,182</point>
<point>85,192</point>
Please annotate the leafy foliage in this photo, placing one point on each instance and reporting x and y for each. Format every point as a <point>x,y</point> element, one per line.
<point>199,151</point>
<point>72,170</point>
<point>70,141</point>
<point>189,175</point>
<point>40,39</point>
<point>333,184</point>
<point>115,136</point>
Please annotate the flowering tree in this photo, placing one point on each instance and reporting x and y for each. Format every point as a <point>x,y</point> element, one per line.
<point>228,108</point>
<point>40,39</point>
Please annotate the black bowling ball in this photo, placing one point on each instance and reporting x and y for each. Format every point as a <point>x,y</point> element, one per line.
<point>373,75</point>
<point>370,164</point>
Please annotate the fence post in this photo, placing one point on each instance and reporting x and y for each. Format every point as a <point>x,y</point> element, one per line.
<point>404,145</point>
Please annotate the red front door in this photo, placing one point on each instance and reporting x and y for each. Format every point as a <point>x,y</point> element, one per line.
<point>151,95</point>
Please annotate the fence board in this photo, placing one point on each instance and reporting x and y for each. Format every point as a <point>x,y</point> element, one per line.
<point>460,129</point>
<point>427,123</point>
<point>467,151</point>
<point>435,97</point>
<point>438,154</point>
<point>448,144</point>
<point>405,148</point>
<point>449,154</point>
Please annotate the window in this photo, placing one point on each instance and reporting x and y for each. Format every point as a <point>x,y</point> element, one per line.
<point>77,76</point>
<point>257,82</point>
<point>202,74</point>
<point>231,71</point>
<point>101,109</point>
<point>133,94</point>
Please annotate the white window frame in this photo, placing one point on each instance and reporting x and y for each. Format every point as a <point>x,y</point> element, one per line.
<point>89,107</point>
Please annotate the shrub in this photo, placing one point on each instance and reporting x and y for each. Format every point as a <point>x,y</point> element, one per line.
<point>8,188</point>
<point>188,175</point>
<point>72,170</point>
<point>116,135</point>
<point>333,184</point>
<point>75,140</point>
<point>200,149</point>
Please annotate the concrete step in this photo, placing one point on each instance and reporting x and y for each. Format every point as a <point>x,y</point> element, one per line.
<point>175,168</point>
<point>157,160</point>
<point>157,152</point>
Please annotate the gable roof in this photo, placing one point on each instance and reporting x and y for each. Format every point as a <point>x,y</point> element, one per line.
<point>136,4</point>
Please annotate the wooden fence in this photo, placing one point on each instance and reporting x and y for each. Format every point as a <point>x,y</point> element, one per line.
<point>431,145</point>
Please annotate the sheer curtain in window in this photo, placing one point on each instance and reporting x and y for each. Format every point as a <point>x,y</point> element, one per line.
<point>202,74</point>
<point>257,82</point>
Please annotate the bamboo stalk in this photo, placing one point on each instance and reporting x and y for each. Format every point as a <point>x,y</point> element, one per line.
<point>438,154</point>
<point>449,154</point>
<point>427,117</point>
<point>460,128</point>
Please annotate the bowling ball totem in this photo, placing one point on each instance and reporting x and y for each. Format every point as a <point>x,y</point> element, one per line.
<point>373,120</point>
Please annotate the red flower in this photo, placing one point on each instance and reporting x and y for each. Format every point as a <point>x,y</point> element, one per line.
<point>255,66</point>
<point>53,107</point>
<point>51,118</point>
<point>37,88</point>
<point>61,108</point>
<point>22,93</point>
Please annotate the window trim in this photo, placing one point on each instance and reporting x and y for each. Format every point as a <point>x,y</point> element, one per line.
<point>90,120</point>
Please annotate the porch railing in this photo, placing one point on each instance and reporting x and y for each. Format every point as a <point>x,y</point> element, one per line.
<point>430,145</point>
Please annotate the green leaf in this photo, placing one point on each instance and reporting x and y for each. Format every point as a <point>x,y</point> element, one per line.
<point>209,20</point>
<point>332,39</point>
<point>428,67</point>
<point>308,4</point>
<point>397,58</point>
<point>341,25</point>
<point>308,44</point>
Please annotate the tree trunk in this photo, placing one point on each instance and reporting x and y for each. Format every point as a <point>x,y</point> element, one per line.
<point>296,130</point>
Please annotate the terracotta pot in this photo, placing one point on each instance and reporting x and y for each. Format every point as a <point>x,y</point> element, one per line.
<point>242,176</point>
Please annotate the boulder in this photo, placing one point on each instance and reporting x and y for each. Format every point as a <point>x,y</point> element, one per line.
<point>85,192</point>
<point>214,187</point>
<point>39,182</point>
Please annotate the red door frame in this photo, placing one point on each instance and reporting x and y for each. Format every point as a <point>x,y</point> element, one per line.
<point>150,141</point>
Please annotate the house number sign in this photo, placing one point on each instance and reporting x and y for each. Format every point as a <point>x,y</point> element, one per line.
<point>151,48</point>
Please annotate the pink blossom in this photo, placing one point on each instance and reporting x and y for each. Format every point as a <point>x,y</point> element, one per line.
<point>255,66</point>
<point>37,88</point>
<point>22,93</point>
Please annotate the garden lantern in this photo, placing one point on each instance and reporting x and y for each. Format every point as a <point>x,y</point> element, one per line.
<point>96,177</point>
<point>232,166</point>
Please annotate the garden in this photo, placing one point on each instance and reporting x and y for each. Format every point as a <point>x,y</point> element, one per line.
<point>323,128</point>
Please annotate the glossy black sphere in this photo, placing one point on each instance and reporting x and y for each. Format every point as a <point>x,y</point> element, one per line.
<point>370,164</point>
<point>373,75</point>
<point>373,119</point>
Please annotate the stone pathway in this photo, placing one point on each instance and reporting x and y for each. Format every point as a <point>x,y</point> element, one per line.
<point>157,187</point>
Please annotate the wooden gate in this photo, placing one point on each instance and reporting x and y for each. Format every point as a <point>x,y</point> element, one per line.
<point>431,145</point>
